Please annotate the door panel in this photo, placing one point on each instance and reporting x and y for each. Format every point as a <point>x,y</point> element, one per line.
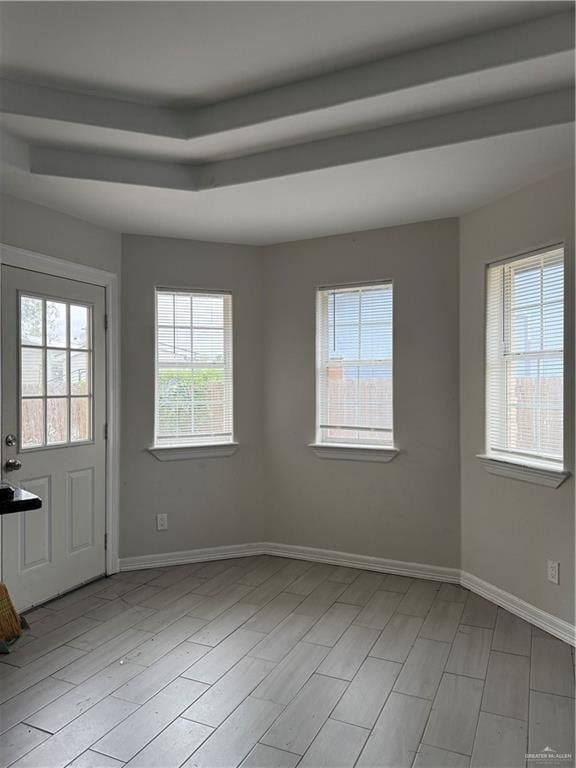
<point>36,527</point>
<point>53,401</point>
<point>80,509</point>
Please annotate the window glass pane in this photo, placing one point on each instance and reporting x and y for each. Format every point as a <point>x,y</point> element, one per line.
<point>80,427</point>
<point>31,320</point>
<point>535,395</point>
<point>32,426</point>
<point>57,372</point>
<point>526,330</point>
<point>174,345</point>
<point>522,392</point>
<point>342,396</point>
<point>165,345</point>
<point>208,345</point>
<point>79,373</point>
<point>376,305</point>
<point>208,310</point>
<point>526,286</point>
<point>343,341</point>
<point>56,324</point>
<point>57,420</point>
<point>32,372</point>
<point>182,306</point>
<point>376,342</point>
<point>553,326</point>
<point>165,308</point>
<point>375,397</point>
<point>343,325</point>
<point>208,417</point>
<point>182,345</point>
<point>345,306</point>
<point>553,282</point>
<point>175,402</point>
<point>79,327</point>
<point>208,384</point>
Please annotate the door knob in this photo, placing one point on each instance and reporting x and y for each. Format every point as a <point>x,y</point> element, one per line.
<point>12,465</point>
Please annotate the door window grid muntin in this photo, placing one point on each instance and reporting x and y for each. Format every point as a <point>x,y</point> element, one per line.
<point>68,349</point>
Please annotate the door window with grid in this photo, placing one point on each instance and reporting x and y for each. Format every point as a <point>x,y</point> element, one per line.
<point>525,359</point>
<point>193,368</point>
<point>55,372</point>
<point>354,373</point>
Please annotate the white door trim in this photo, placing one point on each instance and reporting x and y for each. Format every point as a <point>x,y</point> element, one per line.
<point>50,265</point>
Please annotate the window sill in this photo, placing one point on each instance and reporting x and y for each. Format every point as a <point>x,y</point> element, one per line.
<point>185,452</point>
<point>529,473</point>
<point>353,452</point>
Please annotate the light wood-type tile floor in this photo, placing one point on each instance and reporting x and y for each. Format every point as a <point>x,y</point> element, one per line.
<point>265,662</point>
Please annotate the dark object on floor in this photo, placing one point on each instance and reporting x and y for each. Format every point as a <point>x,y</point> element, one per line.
<point>11,624</point>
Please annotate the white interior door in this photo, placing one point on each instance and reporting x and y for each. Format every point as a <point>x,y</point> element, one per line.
<point>53,422</point>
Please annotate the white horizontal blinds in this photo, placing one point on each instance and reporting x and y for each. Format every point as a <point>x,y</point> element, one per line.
<point>193,368</point>
<point>354,365</point>
<point>525,358</point>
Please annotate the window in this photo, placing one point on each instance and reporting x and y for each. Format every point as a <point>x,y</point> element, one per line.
<point>193,369</point>
<point>354,366</point>
<point>55,372</point>
<point>525,360</point>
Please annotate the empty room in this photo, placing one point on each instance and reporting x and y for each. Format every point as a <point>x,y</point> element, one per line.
<point>287,380</point>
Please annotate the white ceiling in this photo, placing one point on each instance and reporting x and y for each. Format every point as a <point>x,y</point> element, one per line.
<point>337,115</point>
<point>425,185</point>
<point>193,52</point>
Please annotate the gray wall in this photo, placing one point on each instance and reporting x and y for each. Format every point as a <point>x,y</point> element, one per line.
<point>510,528</point>
<point>213,501</point>
<point>415,508</point>
<point>407,509</point>
<point>36,228</point>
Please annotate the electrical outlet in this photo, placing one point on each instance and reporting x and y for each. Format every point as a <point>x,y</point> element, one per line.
<point>554,571</point>
<point>162,522</point>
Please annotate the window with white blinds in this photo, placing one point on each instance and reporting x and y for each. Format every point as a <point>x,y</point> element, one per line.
<point>525,359</point>
<point>354,365</point>
<point>193,368</point>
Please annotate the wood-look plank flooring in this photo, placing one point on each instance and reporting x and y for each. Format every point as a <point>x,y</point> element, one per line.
<point>266,662</point>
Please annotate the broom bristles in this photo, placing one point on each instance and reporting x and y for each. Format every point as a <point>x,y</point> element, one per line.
<point>10,625</point>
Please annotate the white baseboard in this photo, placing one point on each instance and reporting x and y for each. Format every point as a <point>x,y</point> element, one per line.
<point>546,621</point>
<point>189,556</point>
<point>365,562</point>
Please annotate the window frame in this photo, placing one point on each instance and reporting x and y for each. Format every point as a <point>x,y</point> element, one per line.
<point>521,465</point>
<point>352,451</point>
<point>211,448</point>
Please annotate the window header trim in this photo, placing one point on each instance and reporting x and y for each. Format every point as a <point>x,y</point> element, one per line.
<point>384,283</point>
<point>561,247</point>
